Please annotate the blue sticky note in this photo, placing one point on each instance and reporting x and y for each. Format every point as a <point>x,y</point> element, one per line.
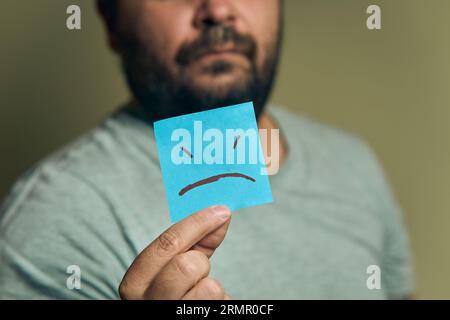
<point>212,158</point>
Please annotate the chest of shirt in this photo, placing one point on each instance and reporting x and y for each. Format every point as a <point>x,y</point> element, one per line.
<point>307,246</point>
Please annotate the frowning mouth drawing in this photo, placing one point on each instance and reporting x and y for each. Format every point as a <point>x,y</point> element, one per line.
<point>213,178</point>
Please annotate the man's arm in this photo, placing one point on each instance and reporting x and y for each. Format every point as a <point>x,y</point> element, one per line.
<point>53,220</point>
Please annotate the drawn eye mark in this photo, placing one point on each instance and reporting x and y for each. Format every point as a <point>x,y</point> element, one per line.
<point>187,152</point>
<point>236,141</point>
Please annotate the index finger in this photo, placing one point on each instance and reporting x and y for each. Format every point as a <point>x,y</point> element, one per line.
<point>177,239</point>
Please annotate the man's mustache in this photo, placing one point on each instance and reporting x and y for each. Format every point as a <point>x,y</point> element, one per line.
<point>214,38</point>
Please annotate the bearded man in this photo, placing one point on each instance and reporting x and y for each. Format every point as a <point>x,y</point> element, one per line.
<point>99,204</point>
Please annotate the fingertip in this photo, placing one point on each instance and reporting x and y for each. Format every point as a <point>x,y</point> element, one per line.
<point>221,211</point>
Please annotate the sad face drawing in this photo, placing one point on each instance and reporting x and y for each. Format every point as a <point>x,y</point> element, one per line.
<point>216,177</point>
<point>212,157</point>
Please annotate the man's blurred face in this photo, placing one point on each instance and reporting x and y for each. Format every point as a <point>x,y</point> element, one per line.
<point>183,56</point>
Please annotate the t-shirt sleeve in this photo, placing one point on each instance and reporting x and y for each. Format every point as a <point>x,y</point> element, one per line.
<point>53,225</point>
<point>397,274</point>
<point>397,263</point>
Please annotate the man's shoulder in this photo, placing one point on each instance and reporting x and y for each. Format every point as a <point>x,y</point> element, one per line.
<point>110,149</point>
<point>319,137</point>
<point>85,173</point>
<point>111,146</point>
<point>334,157</point>
<point>69,209</point>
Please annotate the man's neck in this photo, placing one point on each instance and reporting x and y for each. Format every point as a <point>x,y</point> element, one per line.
<point>267,122</point>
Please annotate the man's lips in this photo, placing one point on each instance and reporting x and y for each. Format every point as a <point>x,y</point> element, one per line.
<point>219,53</point>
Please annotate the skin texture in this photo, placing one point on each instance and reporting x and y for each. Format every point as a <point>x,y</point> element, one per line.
<point>176,264</point>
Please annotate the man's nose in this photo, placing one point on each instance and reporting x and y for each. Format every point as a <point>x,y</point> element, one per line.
<point>214,12</point>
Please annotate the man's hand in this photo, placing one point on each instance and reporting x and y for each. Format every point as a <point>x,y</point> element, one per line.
<point>176,265</point>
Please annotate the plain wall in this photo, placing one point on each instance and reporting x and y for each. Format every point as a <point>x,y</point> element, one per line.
<point>390,86</point>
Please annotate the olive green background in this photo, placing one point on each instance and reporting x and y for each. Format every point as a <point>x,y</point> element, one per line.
<point>390,86</point>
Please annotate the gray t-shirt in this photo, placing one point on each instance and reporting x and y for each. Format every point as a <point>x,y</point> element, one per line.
<point>97,203</point>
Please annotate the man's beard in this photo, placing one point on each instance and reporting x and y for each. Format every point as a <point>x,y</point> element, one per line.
<point>163,95</point>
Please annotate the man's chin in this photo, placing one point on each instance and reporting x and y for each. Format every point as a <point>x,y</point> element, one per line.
<point>221,85</point>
